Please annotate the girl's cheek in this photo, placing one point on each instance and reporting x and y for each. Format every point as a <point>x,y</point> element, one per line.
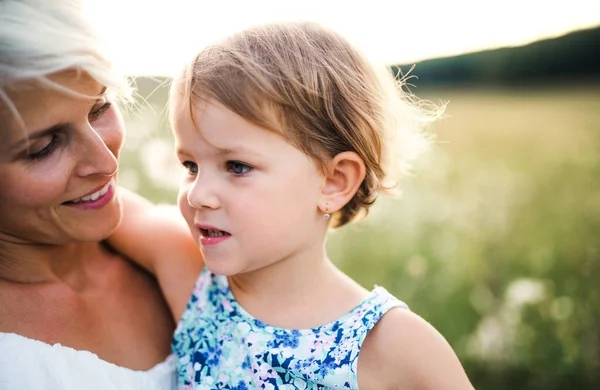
<point>182,201</point>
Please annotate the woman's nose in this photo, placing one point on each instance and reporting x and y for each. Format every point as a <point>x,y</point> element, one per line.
<point>103,141</point>
<point>98,154</point>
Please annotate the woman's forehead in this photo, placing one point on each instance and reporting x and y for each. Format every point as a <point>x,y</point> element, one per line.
<point>33,105</point>
<point>73,82</point>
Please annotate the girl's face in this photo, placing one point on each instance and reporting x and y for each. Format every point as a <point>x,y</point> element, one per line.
<point>57,174</point>
<point>249,197</point>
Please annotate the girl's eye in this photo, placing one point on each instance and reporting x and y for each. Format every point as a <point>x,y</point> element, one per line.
<point>46,150</point>
<point>191,167</point>
<point>98,110</point>
<point>238,168</point>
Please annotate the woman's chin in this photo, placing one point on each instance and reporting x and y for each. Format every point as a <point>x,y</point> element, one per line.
<point>99,228</point>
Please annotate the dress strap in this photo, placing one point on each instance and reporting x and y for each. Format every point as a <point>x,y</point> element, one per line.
<point>378,304</point>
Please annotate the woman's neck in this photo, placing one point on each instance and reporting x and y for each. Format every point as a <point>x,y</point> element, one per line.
<point>35,263</point>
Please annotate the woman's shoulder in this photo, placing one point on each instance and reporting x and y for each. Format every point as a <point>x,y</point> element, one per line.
<point>31,364</point>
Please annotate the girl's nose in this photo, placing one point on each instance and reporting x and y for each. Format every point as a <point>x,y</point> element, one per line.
<point>202,193</point>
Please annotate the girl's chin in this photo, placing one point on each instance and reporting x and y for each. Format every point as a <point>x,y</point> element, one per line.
<point>221,269</point>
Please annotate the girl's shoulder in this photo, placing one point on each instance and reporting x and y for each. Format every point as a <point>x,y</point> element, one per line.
<point>405,351</point>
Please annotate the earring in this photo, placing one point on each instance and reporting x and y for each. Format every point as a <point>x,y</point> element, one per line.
<point>326,215</point>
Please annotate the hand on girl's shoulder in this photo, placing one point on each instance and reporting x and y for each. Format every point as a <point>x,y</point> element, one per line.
<point>403,351</point>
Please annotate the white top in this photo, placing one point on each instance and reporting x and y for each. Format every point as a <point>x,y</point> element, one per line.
<point>31,364</point>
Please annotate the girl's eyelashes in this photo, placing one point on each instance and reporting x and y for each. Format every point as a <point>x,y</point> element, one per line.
<point>191,167</point>
<point>238,168</point>
<point>46,150</point>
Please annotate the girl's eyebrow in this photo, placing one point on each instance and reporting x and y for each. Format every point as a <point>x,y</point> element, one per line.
<point>239,149</point>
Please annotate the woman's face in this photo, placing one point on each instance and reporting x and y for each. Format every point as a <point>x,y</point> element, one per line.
<point>57,173</point>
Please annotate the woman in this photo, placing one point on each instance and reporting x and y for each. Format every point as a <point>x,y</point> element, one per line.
<point>74,314</point>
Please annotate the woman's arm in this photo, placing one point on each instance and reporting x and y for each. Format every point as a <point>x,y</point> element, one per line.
<point>158,239</point>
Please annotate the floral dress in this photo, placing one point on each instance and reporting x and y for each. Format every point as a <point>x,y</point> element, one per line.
<point>218,345</point>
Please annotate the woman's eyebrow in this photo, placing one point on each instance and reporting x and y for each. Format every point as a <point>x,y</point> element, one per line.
<point>44,132</point>
<point>36,135</point>
<point>102,94</point>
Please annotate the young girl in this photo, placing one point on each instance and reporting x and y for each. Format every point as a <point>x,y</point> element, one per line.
<point>285,132</point>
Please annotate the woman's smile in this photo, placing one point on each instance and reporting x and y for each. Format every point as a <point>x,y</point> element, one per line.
<point>96,199</point>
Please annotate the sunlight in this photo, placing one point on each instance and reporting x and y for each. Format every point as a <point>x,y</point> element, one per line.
<point>154,38</point>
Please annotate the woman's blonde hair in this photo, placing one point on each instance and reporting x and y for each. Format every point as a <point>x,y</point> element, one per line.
<point>312,86</point>
<point>42,37</point>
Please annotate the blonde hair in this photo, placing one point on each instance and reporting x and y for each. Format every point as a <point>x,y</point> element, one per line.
<point>42,37</point>
<point>312,86</point>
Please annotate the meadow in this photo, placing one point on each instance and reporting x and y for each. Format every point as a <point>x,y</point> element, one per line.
<point>495,238</point>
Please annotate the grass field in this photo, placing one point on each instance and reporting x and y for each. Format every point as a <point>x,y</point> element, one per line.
<point>495,240</point>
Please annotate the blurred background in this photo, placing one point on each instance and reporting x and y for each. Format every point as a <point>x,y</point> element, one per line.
<point>496,237</point>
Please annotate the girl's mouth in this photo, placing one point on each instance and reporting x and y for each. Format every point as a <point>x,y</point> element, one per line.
<point>210,236</point>
<point>213,233</point>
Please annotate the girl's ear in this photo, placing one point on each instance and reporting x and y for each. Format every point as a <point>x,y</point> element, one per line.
<point>343,176</point>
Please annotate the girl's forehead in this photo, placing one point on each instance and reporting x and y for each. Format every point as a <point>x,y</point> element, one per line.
<point>213,119</point>
<point>213,127</point>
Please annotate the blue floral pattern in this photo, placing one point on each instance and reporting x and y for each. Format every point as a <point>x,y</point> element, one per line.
<point>219,345</point>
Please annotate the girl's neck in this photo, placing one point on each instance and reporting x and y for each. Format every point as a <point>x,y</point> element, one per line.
<point>285,277</point>
<point>31,263</point>
<point>297,293</point>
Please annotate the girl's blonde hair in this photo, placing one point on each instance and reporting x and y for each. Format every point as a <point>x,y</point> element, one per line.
<point>313,87</point>
<point>42,37</point>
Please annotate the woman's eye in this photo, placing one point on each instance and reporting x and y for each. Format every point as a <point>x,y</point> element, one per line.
<point>238,168</point>
<point>45,150</point>
<point>98,110</point>
<point>191,167</point>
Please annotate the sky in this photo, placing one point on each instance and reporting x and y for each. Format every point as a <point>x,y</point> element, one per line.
<point>157,37</point>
